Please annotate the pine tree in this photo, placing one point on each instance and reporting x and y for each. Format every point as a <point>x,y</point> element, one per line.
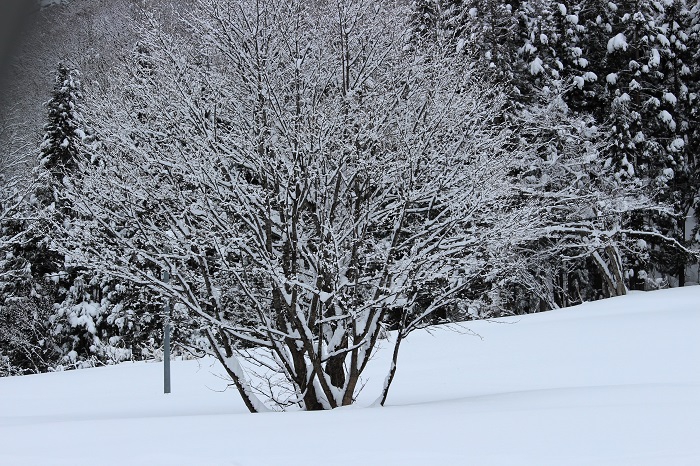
<point>631,66</point>
<point>487,31</point>
<point>64,131</point>
<point>678,185</point>
<point>642,56</point>
<point>58,153</point>
<point>36,296</point>
<point>425,19</point>
<point>693,103</point>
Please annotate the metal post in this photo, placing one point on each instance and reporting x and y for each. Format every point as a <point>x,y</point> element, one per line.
<point>166,339</point>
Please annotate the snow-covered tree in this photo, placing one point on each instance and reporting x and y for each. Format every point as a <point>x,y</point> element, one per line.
<point>64,130</point>
<point>302,202</point>
<point>22,319</point>
<point>531,46</point>
<point>426,16</point>
<point>55,316</point>
<point>488,32</point>
<point>306,179</point>
<point>58,156</point>
<point>642,53</point>
<point>694,133</point>
<point>630,66</point>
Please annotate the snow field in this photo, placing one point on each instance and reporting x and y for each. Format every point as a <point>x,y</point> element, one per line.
<point>614,382</point>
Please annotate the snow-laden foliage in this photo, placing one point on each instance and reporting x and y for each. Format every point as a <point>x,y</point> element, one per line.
<point>65,130</point>
<point>646,102</point>
<point>630,66</point>
<point>54,316</point>
<point>17,323</point>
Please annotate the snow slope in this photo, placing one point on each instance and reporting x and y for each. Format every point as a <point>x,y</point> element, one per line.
<point>615,382</point>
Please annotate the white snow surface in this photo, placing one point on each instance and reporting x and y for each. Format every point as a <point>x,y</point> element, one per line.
<point>614,382</point>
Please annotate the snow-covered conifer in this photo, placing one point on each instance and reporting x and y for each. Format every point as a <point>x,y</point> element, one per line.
<point>65,129</point>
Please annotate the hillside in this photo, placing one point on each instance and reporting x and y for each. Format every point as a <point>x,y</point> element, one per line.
<point>614,382</point>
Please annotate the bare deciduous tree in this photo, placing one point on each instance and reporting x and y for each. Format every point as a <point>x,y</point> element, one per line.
<point>305,178</point>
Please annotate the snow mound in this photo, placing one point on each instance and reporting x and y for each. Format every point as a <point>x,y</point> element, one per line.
<point>617,42</point>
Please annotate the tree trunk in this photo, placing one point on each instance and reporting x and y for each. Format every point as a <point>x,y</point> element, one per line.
<point>392,371</point>
<point>235,371</point>
<point>612,275</point>
<point>682,264</point>
<point>616,269</point>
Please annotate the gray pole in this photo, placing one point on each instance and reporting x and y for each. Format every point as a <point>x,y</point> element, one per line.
<point>166,340</point>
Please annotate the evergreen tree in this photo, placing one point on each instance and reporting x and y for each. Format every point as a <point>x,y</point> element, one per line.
<point>38,276</point>
<point>531,45</point>
<point>64,131</point>
<point>425,19</point>
<point>693,103</point>
<point>640,50</point>
<point>58,314</point>
<point>95,319</point>
<point>487,31</point>
<point>628,69</point>
<point>63,136</point>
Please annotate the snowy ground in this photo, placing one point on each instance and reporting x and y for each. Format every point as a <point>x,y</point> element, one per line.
<point>615,382</point>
